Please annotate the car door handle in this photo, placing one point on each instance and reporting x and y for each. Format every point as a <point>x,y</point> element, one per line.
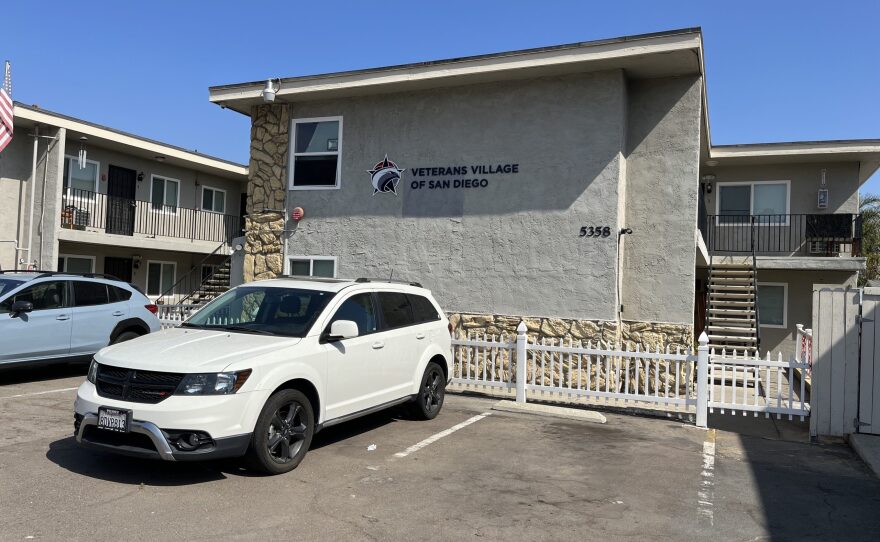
<point>118,313</point>
<point>63,317</point>
<point>420,336</point>
<point>378,344</point>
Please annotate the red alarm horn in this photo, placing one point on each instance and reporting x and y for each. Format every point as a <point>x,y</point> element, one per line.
<point>297,214</point>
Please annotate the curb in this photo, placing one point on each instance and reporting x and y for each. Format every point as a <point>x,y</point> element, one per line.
<point>548,410</point>
<point>868,448</point>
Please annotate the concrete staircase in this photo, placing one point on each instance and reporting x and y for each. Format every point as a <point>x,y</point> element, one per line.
<point>732,308</point>
<point>214,286</point>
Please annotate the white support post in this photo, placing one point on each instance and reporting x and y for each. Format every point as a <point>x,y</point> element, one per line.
<point>703,381</point>
<point>521,343</point>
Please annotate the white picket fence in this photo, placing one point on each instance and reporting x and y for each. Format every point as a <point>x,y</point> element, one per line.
<point>697,382</point>
<point>173,315</point>
<point>738,383</point>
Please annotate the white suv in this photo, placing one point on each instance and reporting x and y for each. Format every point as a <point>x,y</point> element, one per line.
<point>263,367</point>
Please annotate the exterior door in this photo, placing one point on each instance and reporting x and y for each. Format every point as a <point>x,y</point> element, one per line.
<point>42,333</point>
<point>353,365</point>
<point>118,267</point>
<point>121,184</point>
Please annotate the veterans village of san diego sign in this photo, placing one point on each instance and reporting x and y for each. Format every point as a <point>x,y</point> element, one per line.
<point>385,176</point>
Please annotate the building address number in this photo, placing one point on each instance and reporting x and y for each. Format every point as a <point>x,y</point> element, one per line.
<point>595,231</point>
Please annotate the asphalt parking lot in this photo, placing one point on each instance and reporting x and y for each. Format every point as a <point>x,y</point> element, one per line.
<point>504,476</point>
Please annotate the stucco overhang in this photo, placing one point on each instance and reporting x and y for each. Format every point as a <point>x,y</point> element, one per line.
<point>810,263</point>
<point>27,116</point>
<point>665,54</point>
<point>864,151</point>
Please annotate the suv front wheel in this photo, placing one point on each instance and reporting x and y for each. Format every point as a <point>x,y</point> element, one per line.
<point>283,433</point>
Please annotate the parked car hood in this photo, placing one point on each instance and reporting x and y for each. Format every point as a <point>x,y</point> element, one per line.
<point>182,350</point>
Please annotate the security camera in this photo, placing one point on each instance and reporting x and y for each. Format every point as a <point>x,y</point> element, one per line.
<point>269,92</point>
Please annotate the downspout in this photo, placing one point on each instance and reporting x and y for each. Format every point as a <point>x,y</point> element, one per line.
<point>32,194</point>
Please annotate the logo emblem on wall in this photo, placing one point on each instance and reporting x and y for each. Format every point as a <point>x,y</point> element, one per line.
<point>385,176</point>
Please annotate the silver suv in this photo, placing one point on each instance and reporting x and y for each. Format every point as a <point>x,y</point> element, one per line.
<point>63,316</point>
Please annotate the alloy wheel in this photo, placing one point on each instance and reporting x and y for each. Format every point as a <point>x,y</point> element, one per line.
<point>287,431</point>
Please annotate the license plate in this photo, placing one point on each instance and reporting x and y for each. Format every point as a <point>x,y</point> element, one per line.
<point>114,419</point>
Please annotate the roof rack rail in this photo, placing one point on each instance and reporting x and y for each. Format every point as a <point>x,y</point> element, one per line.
<point>396,281</point>
<point>44,273</point>
<point>312,278</point>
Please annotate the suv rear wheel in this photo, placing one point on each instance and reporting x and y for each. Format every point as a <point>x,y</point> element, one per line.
<point>283,433</point>
<point>125,336</point>
<point>432,391</point>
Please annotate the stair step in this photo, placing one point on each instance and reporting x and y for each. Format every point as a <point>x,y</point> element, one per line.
<point>732,271</point>
<point>724,312</point>
<point>731,287</point>
<point>731,329</point>
<point>730,280</point>
<point>749,321</point>
<point>730,295</point>
<point>726,338</point>
<point>725,265</point>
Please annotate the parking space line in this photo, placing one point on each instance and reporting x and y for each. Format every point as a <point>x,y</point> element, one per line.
<point>441,434</point>
<point>706,493</point>
<point>37,393</point>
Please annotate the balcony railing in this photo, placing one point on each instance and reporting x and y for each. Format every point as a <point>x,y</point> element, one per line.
<point>85,210</point>
<point>791,235</point>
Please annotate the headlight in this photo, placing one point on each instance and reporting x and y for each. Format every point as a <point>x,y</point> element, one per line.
<point>92,375</point>
<point>213,383</point>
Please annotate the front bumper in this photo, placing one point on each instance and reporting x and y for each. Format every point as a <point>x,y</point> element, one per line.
<point>147,440</point>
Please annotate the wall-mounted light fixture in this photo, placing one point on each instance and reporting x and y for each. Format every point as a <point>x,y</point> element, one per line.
<point>272,87</point>
<point>159,158</point>
<point>136,261</point>
<point>140,176</point>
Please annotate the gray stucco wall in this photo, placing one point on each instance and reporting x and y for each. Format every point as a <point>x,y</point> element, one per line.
<point>800,303</point>
<point>510,248</point>
<point>190,192</point>
<point>662,184</point>
<point>15,170</point>
<point>842,182</point>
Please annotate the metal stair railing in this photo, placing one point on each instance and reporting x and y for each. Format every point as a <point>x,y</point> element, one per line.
<point>169,293</point>
<point>222,266</point>
<point>755,290</point>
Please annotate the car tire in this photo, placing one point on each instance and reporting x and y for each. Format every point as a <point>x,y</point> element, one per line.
<point>432,391</point>
<point>125,336</point>
<point>283,433</point>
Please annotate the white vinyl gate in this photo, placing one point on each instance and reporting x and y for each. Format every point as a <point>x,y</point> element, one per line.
<point>869,364</point>
<point>694,382</point>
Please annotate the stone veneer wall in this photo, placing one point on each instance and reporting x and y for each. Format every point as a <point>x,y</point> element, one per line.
<point>653,377</point>
<point>642,334</point>
<point>267,186</point>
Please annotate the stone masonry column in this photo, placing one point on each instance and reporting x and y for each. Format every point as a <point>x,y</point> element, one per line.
<point>267,174</point>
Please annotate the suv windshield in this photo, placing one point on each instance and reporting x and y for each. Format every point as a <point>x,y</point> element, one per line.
<point>6,285</point>
<point>254,309</point>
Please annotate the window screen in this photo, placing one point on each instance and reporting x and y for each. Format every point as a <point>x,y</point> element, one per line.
<point>423,309</point>
<point>771,304</point>
<point>89,293</point>
<point>395,309</point>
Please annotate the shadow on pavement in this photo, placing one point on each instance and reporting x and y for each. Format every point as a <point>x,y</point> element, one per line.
<point>67,454</point>
<point>42,371</point>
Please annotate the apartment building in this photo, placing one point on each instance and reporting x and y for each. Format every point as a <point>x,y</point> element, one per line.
<point>575,187</point>
<point>80,197</point>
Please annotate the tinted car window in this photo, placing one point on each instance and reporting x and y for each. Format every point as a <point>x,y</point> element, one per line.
<point>8,284</point>
<point>395,309</point>
<point>45,295</point>
<point>118,294</point>
<point>359,309</point>
<point>269,310</point>
<point>86,294</point>
<point>423,309</point>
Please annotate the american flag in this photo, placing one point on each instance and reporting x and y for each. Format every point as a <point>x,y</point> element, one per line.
<point>6,110</point>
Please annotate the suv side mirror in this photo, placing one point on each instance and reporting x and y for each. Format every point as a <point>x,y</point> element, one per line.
<point>342,329</point>
<point>21,306</point>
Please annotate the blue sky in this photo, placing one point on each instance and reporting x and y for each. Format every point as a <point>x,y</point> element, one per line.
<point>776,70</point>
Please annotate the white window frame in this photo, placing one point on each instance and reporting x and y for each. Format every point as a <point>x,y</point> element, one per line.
<point>147,278</point>
<point>202,200</point>
<point>80,256</point>
<point>784,305</point>
<point>292,155</point>
<point>73,160</point>
<point>752,201</point>
<point>153,178</point>
<point>312,260</point>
